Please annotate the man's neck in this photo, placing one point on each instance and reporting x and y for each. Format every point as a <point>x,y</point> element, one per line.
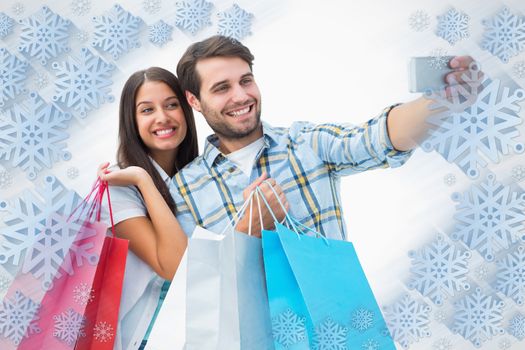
<point>227,146</point>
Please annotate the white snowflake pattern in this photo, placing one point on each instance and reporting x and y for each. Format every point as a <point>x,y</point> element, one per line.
<point>6,25</point>
<point>5,282</point>
<point>72,172</point>
<point>6,179</point>
<point>83,294</point>
<point>103,332</point>
<point>18,317</point>
<point>18,8</point>
<point>478,317</point>
<point>370,344</point>
<point>504,344</point>
<point>511,276</point>
<point>39,234</point>
<point>160,33</point>
<point>13,73</point>
<point>117,32</point>
<point>69,326</point>
<point>419,20</point>
<point>453,26</point>
<point>235,23</point>
<point>362,319</point>
<point>481,272</point>
<point>518,172</point>
<point>44,35</point>
<point>442,344</point>
<point>83,83</point>
<point>449,179</point>
<point>439,269</point>
<point>504,35</point>
<point>439,59</point>
<point>80,7</point>
<point>151,6</point>
<point>489,217</point>
<point>33,135</point>
<point>193,15</point>
<point>519,69</point>
<point>82,36</point>
<point>41,80</point>
<point>288,328</point>
<point>517,326</point>
<point>408,320</point>
<point>479,122</point>
<point>440,316</point>
<point>330,335</point>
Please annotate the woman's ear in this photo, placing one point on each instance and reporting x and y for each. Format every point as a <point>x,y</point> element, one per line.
<point>193,101</point>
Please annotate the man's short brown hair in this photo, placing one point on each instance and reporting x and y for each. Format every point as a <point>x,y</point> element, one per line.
<point>215,46</point>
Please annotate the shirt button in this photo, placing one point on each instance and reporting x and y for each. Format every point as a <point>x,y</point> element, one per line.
<point>231,170</point>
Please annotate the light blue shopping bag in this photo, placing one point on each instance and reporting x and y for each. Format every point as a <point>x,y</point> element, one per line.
<point>318,293</point>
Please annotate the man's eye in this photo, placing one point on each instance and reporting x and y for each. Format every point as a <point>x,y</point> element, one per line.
<point>222,88</point>
<point>246,81</point>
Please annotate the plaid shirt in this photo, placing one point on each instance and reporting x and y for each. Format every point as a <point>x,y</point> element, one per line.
<point>306,160</point>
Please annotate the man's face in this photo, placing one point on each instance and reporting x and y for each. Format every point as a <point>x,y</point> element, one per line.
<point>229,97</point>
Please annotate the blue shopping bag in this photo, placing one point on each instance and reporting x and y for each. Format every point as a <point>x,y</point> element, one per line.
<point>318,288</point>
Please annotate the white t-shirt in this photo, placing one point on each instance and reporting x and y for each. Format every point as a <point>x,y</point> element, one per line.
<point>244,158</point>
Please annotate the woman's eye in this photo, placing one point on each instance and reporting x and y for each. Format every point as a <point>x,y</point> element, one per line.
<point>146,110</point>
<point>173,105</point>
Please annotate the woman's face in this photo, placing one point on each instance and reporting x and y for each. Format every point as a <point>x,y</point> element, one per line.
<point>160,119</point>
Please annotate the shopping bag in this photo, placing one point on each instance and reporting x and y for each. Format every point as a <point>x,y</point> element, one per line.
<point>226,300</point>
<point>57,314</point>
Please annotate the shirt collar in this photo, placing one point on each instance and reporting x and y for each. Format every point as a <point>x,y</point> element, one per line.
<point>212,153</point>
<point>165,177</point>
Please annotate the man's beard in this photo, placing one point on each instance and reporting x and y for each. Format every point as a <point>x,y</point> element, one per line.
<point>223,129</point>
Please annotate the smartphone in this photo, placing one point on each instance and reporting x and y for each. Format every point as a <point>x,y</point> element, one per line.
<point>428,73</point>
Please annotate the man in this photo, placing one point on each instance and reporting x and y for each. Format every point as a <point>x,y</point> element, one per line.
<point>306,160</point>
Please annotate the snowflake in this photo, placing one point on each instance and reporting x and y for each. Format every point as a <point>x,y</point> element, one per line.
<point>453,26</point>
<point>481,272</point>
<point>33,137</point>
<point>18,8</point>
<point>442,344</point>
<point>479,121</point>
<point>6,179</point>
<point>69,326</point>
<point>235,23</point>
<point>504,35</point>
<point>5,282</point>
<point>449,179</point>
<point>408,320</point>
<point>82,36</point>
<point>103,332</point>
<point>478,317</point>
<point>83,82</point>
<point>39,232</point>
<point>83,294</point>
<point>193,15</point>
<point>18,317</point>
<point>439,59</point>
<point>41,81</point>
<point>519,69</point>
<point>504,344</point>
<point>362,319</point>
<point>419,21</point>
<point>518,172</point>
<point>117,32</point>
<point>160,33</point>
<point>288,328</point>
<point>44,35</point>
<point>440,316</point>
<point>151,6</point>
<point>80,7</point>
<point>517,326</point>
<point>6,25</point>
<point>511,276</point>
<point>489,217</point>
<point>439,269</point>
<point>330,335</point>
<point>370,344</point>
<point>72,172</point>
<point>13,73</point>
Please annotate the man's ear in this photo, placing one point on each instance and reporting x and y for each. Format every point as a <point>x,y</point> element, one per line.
<point>193,101</point>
